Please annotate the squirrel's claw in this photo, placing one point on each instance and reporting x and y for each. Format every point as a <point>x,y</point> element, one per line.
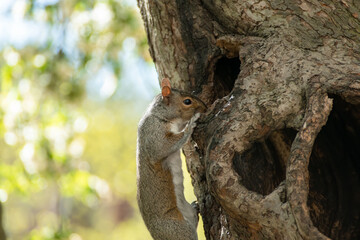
<point>195,205</point>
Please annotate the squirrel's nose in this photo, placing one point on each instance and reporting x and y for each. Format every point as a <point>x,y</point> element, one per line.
<point>203,108</point>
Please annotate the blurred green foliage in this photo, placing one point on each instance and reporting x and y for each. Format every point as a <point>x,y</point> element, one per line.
<point>67,159</point>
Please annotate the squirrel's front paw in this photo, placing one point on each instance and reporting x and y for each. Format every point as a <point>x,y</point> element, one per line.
<point>192,123</point>
<point>195,117</point>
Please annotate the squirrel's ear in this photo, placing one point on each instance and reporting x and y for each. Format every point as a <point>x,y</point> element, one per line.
<point>165,87</point>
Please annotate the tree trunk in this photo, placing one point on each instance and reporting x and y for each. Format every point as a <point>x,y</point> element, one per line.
<point>2,230</point>
<point>277,154</point>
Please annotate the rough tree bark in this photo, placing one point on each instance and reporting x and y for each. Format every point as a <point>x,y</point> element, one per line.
<point>277,154</point>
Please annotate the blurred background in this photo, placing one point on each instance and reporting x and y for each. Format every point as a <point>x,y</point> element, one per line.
<point>75,78</point>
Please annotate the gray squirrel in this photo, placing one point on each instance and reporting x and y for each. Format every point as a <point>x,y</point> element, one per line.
<point>166,126</point>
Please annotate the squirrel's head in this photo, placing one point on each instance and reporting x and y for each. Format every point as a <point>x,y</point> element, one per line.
<point>183,104</point>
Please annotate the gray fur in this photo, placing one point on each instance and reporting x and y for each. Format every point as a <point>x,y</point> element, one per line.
<point>162,132</point>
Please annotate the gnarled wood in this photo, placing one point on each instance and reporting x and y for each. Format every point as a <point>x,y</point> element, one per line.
<point>267,71</point>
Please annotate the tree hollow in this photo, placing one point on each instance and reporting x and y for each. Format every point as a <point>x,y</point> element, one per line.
<point>262,167</point>
<point>334,168</point>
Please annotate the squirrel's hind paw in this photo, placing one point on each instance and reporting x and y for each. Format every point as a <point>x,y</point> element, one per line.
<point>195,205</point>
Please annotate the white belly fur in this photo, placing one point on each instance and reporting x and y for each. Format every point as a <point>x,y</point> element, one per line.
<point>173,162</point>
<point>177,126</point>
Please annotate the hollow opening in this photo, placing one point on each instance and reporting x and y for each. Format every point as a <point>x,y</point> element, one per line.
<point>225,74</point>
<point>262,167</point>
<point>334,168</point>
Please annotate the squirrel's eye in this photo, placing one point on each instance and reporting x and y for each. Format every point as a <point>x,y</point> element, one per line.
<point>187,101</point>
